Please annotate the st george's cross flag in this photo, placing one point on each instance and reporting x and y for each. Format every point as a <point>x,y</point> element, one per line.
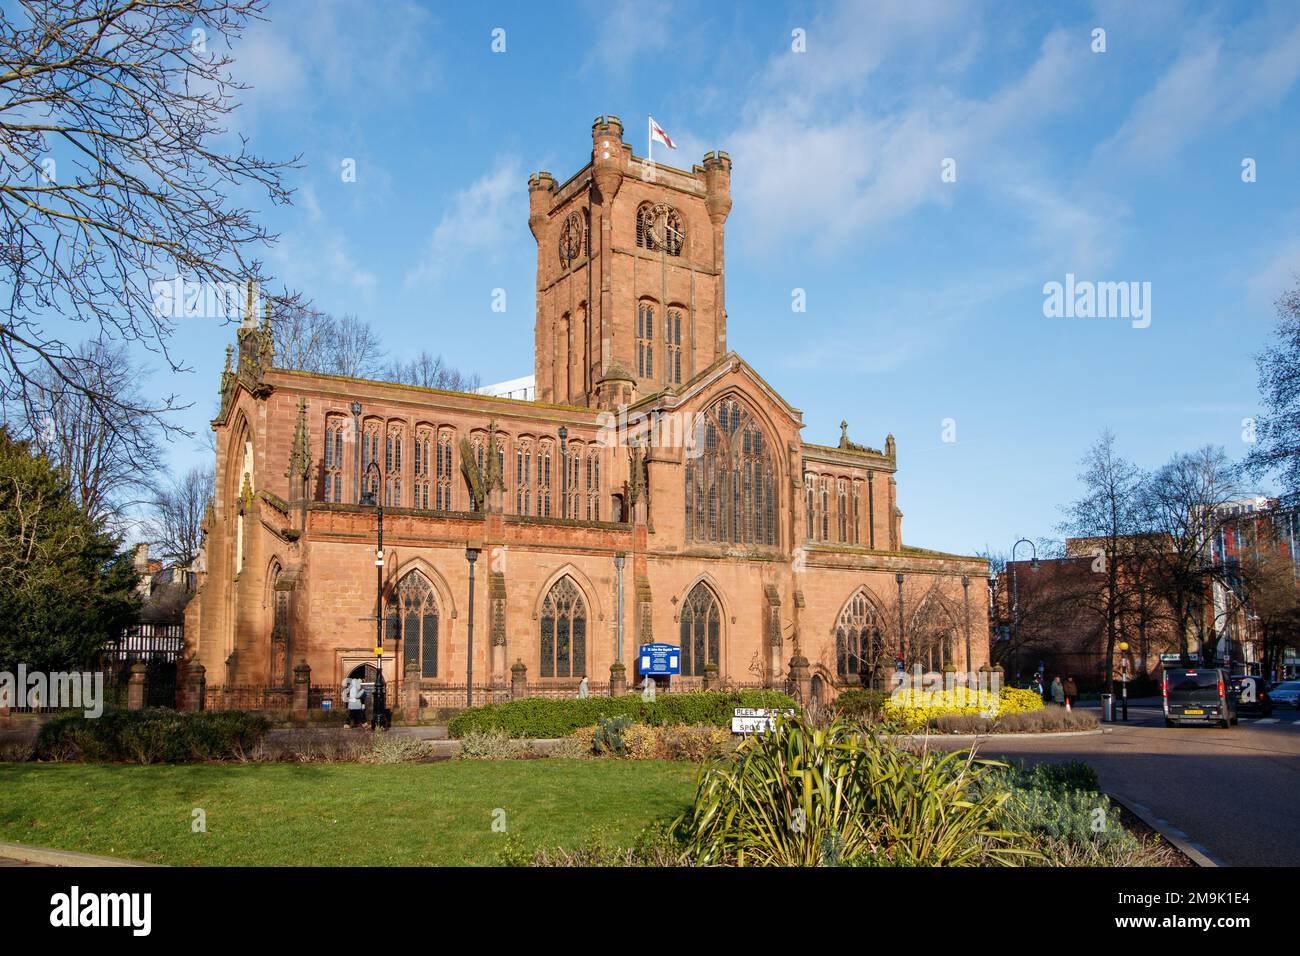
<point>657,133</point>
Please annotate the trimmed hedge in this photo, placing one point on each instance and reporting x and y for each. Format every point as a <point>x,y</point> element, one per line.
<point>542,717</point>
<point>151,736</point>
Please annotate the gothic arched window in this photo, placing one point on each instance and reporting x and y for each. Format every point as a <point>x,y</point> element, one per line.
<point>730,483</point>
<point>701,628</point>
<point>645,339</point>
<point>523,477</point>
<point>334,430</point>
<point>413,622</point>
<point>564,631</point>
<point>858,641</point>
<point>673,341</point>
<point>424,444</point>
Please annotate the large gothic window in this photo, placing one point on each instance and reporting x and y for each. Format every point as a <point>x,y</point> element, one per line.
<point>523,477</point>
<point>334,430</point>
<point>701,626</point>
<point>413,622</point>
<point>858,641</point>
<point>730,483</point>
<point>442,489</point>
<point>645,340</point>
<point>673,341</point>
<point>564,631</point>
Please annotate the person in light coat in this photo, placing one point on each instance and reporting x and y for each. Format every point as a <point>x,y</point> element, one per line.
<point>584,689</point>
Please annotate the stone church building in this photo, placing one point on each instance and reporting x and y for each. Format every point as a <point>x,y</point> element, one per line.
<point>656,490</point>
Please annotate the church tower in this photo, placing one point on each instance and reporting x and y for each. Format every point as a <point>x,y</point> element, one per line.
<point>630,273</point>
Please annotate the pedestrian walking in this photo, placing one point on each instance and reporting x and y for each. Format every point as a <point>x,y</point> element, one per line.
<point>355,697</point>
<point>1058,692</point>
<point>584,689</point>
<point>1071,692</point>
<point>1037,687</point>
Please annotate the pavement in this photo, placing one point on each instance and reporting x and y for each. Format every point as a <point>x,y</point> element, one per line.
<point>1232,794</point>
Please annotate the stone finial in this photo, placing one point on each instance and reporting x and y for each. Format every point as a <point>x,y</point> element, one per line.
<point>300,455</point>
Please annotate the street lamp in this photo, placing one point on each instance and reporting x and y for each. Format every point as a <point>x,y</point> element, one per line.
<point>564,472</point>
<point>373,497</point>
<point>618,647</point>
<point>965,600</point>
<point>1015,600</point>
<point>1123,679</point>
<point>471,555</point>
<point>902,654</point>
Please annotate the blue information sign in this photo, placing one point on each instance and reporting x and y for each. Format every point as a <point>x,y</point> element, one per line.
<point>661,659</point>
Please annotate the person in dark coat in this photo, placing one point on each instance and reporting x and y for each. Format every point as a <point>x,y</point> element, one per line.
<point>1071,691</point>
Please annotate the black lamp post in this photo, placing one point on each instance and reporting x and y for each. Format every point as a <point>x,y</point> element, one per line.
<point>902,653</point>
<point>965,600</point>
<point>373,496</point>
<point>471,555</point>
<point>1015,600</point>
<point>564,472</point>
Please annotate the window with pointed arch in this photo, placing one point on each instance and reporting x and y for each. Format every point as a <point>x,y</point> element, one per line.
<point>857,512</point>
<point>842,510</point>
<point>563,631</point>
<point>393,469</point>
<point>645,339</point>
<point>701,630</point>
<point>333,470</point>
<point>591,484</point>
<point>573,487</point>
<point>421,467</point>
<point>858,640</point>
<point>369,455</point>
<point>413,622</point>
<point>544,479</point>
<point>442,471</point>
<point>730,484</point>
<point>673,343</point>
<point>523,476</point>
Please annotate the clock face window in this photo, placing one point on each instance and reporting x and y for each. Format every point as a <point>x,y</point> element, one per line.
<point>659,227</point>
<point>573,239</point>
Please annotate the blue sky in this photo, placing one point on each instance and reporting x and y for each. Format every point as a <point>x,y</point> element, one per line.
<point>924,297</point>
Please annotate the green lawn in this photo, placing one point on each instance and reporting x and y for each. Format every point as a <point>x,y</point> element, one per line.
<point>331,814</point>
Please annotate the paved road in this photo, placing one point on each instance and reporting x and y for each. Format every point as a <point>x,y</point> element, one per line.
<point>1235,793</point>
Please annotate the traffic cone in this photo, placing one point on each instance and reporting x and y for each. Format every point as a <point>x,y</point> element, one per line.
<point>1068,708</point>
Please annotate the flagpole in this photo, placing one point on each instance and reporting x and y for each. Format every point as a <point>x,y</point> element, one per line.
<point>650,141</point>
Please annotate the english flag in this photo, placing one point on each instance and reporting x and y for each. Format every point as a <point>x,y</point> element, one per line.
<point>657,133</point>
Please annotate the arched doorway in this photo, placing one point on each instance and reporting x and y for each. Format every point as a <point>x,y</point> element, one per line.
<point>370,676</point>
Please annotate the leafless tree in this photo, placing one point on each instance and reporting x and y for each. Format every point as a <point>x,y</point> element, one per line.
<point>1278,431</point>
<point>1182,504</point>
<point>1268,577</point>
<point>176,515</point>
<point>77,415</point>
<point>431,371</point>
<point>114,176</point>
<point>1110,511</point>
<point>310,340</point>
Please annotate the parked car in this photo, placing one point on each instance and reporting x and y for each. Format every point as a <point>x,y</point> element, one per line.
<point>1252,695</point>
<point>1286,694</point>
<point>1198,695</point>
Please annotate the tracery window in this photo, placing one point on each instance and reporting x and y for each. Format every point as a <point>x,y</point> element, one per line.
<point>823,512</point>
<point>424,444</point>
<point>563,631</point>
<point>523,477</point>
<point>573,485</point>
<point>858,641</point>
<point>842,511</point>
<point>442,473</point>
<point>544,479</point>
<point>857,512</point>
<point>591,484</point>
<point>701,627</point>
<point>730,486</point>
<point>645,339</point>
<point>673,340</point>
<point>369,455</point>
<point>334,431</point>
<point>393,469</point>
<point>413,622</point>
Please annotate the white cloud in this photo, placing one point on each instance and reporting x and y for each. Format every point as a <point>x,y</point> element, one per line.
<point>481,220</point>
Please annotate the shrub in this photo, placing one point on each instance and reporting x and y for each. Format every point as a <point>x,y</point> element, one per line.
<point>696,744</point>
<point>806,796</point>
<point>609,736</point>
<point>1044,720</point>
<point>492,745</point>
<point>863,703</point>
<point>915,708</point>
<point>152,736</point>
<point>386,747</point>
<point>654,846</point>
<point>541,717</point>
